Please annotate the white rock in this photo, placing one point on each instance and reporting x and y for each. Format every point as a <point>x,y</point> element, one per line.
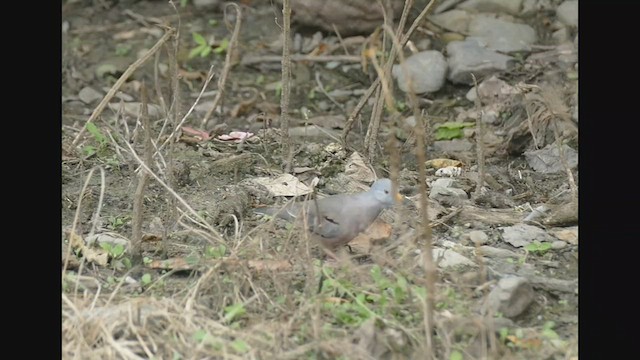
<point>446,258</point>
<point>88,95</point>
<point>471,56</point>
<point>520,235</point>
<point>454,20</point>
<point>567,13</point>
<point>495,6</point>
<point>511,297</point>
<point>427,71</point>
<point>501,35</point>
<point>478,237</point>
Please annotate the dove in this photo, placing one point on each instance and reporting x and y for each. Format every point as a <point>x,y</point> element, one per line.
<point>335,220</point>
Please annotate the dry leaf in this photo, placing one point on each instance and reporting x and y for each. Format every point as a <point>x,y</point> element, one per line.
<point>377,231</point>
<point>357,170</point>
<point>197,134</point>
<point>284,185</point>
<point>442,163</point>
<point>124,35</point>
<point>172,263</point>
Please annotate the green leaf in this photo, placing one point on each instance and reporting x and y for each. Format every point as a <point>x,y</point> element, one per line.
<point>213,22</point>
<point>223,46</point>
<point>106,247</point>
<point>146,260</point>
<point>455,355</point>
<point>240,346</point>
<point>205,51</point>
<point>146,279</point>
<point>194,52</point>
<point>117,250</point>
<point>89,150</point>
<point>199,39</point>
<point>93,130</point>
<point>550,334</point>
<point>233,311</point>
<point>183,3</point>
<point>200,335</point>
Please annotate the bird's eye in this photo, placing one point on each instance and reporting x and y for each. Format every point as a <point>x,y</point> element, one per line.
<point>386,191</point>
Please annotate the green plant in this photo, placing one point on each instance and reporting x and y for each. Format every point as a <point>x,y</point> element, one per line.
<point>203,48</point>
<point>116,222</point>
<point>231,312</point>
<point>451,130</point>
<point>215,252</point>
<point>99,139</point>
<point>146,279</point>
<point>115,251</point>
<point>538,247</point>
<point>123,49</point>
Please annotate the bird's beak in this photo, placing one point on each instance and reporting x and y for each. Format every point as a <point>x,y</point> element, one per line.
<point>399,198</point>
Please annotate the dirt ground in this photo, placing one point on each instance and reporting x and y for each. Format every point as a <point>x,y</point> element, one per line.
<point>218,281</point>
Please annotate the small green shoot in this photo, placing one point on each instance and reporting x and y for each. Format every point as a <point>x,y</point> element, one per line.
<point>216,252</point>
<point>123,49</point>
<point>146,279</point>
<point>203,48</point>
<point>115,251</point>
<point>451,130</point>
<point>240,346</point>
<point>233,311</point>
<point>539,248</point>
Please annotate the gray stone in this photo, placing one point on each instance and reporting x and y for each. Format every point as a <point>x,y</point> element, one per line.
<point>567,13</point>
<point>447,258</point>
<point>478,237</point>
<point>453,20</point>
<point>561,35</point>
<point>558,244</point>
<point>551,284</point>
<point>206,4</point>
<point>494,252</point>
<point>466,57</point>
<point>448,196</point>
<point>493,6</point>
<point>445,183</point>
<point>88,95</point>
<point>511,297</point>
<point>453,146</point>
<point>427,71</point>
<point>501,35</point>
<point>547,160</point>
<point>528,7</point>
<point>520,235</point>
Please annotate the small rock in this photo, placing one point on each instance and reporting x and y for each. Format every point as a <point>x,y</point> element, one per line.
<point>511,297</point>
<point>453,146</point>
<point>416,66</point>
<point>558,244</point>
<point>567,13</point>
<point>492,6</point>
<point>448,196</point>
<point>445,183</point>
<point>561,35</point>
<point>569,234</point>
<point>501,35</point>
<point>547,160</point>
<point>88,95</point>
<point>206,4</point>
<point>423,44</point>
<point>478,237</point>
<point>453,20</point>
<point>133,109</point>
<point>469,56</point>
<point>528,7</point>
<point>494,252</point>
<point>551,284</point>
<point>447,258</point>
<point>520,235</point>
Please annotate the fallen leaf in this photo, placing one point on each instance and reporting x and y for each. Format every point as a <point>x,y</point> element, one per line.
<point>284,185</point>
<point>377,231</point>
<point>358,170</point>
<point>236,136</point>
<point>171,264</point>
<point>442,163</point>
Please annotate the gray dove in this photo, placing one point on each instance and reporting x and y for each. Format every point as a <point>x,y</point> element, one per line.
<point>341,217</point>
